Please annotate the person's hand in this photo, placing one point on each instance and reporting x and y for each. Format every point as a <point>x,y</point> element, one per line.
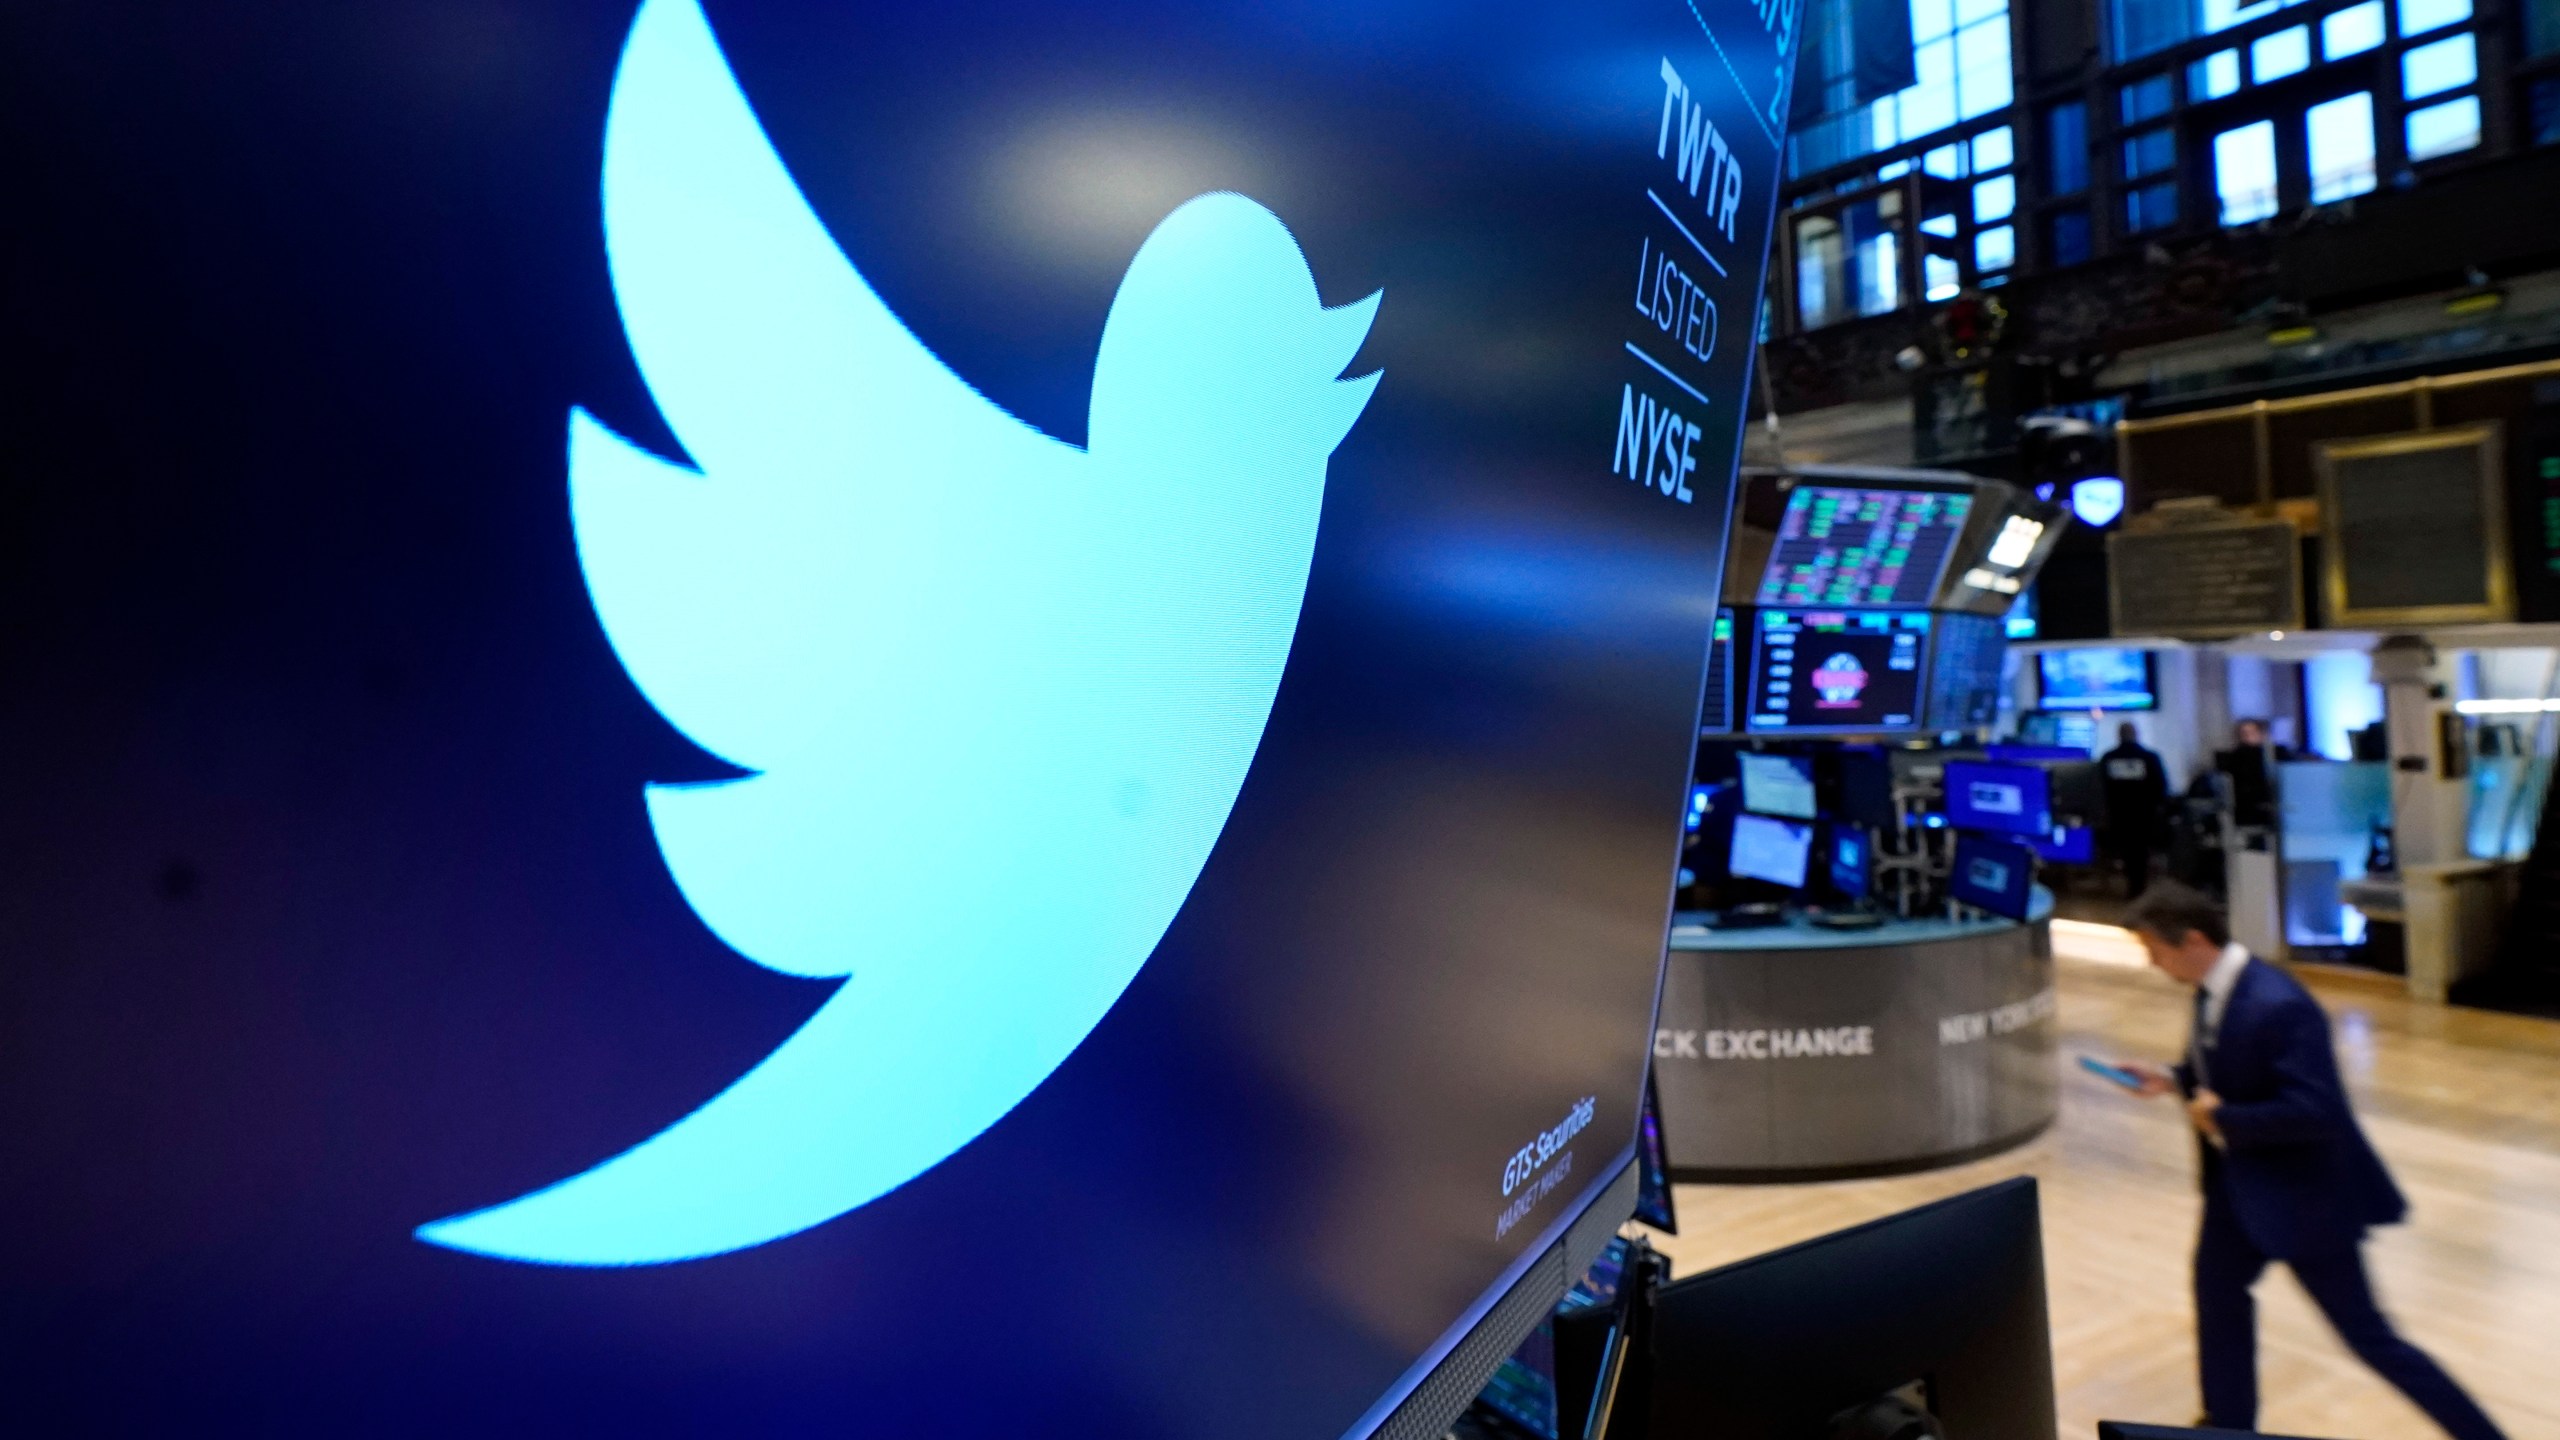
<point>2155,1081</point>
<point>2200,1113</point>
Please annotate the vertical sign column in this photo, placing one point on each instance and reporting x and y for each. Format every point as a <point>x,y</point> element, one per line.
<point>1701,244</point>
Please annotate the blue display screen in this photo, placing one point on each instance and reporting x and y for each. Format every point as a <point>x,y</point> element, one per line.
<point>2004,799</point>
<point>1849,862</point>
<point>2096,679</point>
<point>1992,875</point>
<point>1774,851</point>
<point>669,664</point>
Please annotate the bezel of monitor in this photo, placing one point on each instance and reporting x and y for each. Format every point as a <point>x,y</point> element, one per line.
<point>2045,699</point>
<point>2020,854</point>
<point>1920,685</point>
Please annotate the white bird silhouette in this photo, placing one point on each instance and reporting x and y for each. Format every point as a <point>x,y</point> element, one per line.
<point>921,623</point>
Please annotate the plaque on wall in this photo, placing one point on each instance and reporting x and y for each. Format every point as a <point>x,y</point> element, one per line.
<point>2416,528</point>
<point>2206,581</point>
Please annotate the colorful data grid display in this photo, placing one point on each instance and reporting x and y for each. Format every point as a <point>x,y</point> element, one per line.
<point>1863,547</point>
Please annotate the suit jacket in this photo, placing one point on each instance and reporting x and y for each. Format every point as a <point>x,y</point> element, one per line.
<point>2296,1167</point>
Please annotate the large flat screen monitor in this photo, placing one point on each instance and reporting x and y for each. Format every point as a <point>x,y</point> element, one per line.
<point>1939,1310</point>
<point>2096,679</point>
<point>562,553</point>
<point>2003,799</point>
<point>1863,546</point>
<point>1774,851</point>
<point>1837,672</point>
<point>1779,785</point>
<point>1993,875</point>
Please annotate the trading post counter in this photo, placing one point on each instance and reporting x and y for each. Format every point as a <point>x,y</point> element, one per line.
<point>1800,1053</point>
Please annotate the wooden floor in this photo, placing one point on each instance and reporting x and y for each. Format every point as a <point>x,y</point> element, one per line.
<point>2465,1107</point>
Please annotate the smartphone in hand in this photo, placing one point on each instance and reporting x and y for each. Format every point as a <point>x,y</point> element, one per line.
<point>2117,1073</point>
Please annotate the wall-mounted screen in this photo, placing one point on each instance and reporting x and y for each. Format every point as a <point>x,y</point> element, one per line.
<point>2006,799</point>
<point>2099,678</point>
<point>1772,850</point>
<point>1780,785</point>
<point>1837,672</point>
<point>1863,546</point>
<point>1993,875</point>
<point>542,544</point>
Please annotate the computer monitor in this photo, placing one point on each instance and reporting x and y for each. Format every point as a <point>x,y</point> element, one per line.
<point>1944,1304</point>
<point>1993,875</point>
<point>2067,845</point>
<point>1523,1389</point>
<point>1967,656</point>
<point>2108,678</point>
<point>1770,850</point>
<point>1715,708</point>
<point>2002,799</point>
<point>1865,775</point>
<point>1653,1166</point>
<point>1837,672</point>
<point>1867,546</point>
<point>1779,785</point>
<point>1851,854</point>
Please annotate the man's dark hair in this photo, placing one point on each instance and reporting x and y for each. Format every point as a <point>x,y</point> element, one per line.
<point>2173,912</point>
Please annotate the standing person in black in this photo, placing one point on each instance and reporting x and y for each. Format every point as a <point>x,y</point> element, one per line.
<point>2288,1174</point>
<point>2137,792</point>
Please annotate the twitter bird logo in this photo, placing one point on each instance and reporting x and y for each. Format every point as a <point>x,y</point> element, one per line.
<point>902,608</point>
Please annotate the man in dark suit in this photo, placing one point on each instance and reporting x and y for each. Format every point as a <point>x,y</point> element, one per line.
<point>2137,790</point>
<point>2288,1174</point>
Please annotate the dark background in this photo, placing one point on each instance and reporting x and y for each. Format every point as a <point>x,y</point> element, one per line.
<point>327,901</point>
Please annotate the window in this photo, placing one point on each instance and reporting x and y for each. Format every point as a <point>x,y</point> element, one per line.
<point>1995,249</point>
<point>2339,136</point>
<point>2214,76</point>
<point>1960,62</point>
<point>2144,99</point>
<point>2351,31</point>
<point>2542,104</point>
<point>1994,149</point>
<point>1848,263</point>
<point>1946,162</point>
<point>2444,129</point>
<point>2153,207</point>
<point>2417,17</point>
<point>2136,28</point>
<point>2448,64</point>
<point>2244,172</point>
<point>2066,142</point>
<point>2150,152</point>
<point>2067,240</point>
<point>1938,273</point>
<point>2286,52</point>
<point>2541,29</point>
<point>1994,199</point>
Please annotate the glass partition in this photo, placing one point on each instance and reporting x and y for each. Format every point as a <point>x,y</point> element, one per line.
<point>2329,811</point>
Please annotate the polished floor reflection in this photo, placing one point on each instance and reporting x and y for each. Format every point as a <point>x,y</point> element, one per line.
<point>2465,1105</point>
